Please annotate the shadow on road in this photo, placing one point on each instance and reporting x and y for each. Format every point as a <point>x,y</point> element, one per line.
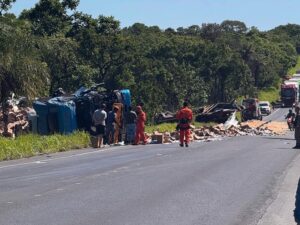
<point>297,204</point>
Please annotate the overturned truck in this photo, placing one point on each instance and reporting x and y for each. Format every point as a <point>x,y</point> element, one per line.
<point>219,112</point>
<point>65,114</point>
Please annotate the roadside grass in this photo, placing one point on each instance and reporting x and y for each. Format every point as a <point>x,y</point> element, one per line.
<point>295,68</point>
<point>32,145</point>
<point>269,94</point>
<point>170,127</point>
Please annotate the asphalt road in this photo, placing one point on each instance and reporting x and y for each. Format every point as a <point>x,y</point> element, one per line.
<point>228,182</point>
<point>277,115</point>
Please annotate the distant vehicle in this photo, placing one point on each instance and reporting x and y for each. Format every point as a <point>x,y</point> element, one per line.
<point>251,109</point>
<point>289,93</point>
<point>265,107</point>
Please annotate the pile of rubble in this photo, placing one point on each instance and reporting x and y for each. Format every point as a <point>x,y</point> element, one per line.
<point>243,129</point>
<point>17,120</point>
<point>250,128</point>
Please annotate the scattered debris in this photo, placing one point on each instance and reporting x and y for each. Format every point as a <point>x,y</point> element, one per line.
<point>219,112</point>
<point>17,120</point>
<point>231,128</point>
<point>165,117</point>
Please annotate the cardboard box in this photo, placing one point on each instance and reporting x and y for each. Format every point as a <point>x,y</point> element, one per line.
<point>158,138</point>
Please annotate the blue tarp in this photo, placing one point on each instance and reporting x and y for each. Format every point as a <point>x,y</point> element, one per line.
<point>42,112</point>
<point>57,115</point>
<point>126,97</point>
<point>65,113</point>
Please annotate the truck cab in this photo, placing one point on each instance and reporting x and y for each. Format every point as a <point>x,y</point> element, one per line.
<point>289,94</point>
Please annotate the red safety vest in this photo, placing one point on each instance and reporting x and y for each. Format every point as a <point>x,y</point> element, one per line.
<point>185,116</point>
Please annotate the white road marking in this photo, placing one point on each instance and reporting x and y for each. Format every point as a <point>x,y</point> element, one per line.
<point>54,159</point>
<point>40,162</point>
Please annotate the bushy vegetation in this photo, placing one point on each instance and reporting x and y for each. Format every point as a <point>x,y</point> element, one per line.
<point>269,94</point>
<point>32,145</point>
<point>53,45</point>
<point>295,68</point>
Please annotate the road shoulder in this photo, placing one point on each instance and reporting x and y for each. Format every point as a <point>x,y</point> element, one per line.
<point>280,211</point>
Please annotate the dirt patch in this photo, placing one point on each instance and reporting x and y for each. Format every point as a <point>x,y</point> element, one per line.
<point>274,126</point>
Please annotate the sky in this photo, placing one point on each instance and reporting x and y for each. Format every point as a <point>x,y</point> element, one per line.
<point>263,14</point>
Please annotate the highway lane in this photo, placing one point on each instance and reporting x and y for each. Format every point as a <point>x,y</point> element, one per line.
<point>277,115</point>
<point>223,182</point>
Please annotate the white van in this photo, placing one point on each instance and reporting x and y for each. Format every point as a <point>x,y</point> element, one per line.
<point>265,107</point>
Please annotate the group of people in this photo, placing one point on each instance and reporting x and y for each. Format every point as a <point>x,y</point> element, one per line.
<point>108,125</point>
<point>108,129</point>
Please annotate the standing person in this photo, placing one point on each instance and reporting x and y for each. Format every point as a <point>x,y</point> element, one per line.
<point>290,119</point>
<point>117,124</point>
<point>99,118</point>
<point>297,127</point>
<point>140,126</point>
<point>184,116</point>
<point>297,208</point>
<point>110,127</point>
<point>130,119</point>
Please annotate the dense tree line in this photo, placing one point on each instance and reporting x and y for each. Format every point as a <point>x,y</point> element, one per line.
<point>53,45</point>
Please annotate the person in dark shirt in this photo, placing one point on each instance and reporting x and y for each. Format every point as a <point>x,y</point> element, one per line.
<point>297,127</point>
<point>290,119</point>
<point>290,115</point>
<point>110,127</point>
<point>130,119</point>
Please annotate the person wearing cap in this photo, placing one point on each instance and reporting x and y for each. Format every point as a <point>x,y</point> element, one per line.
<point>297,126</point>
<point>99,117</point>
<point>140,126</point>
<point>184,117</point>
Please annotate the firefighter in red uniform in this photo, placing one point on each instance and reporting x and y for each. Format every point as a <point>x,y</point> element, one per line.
<point>140,126</point>
<point>184,116</point>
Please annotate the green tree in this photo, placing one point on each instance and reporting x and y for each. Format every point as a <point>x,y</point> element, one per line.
<point>67,69</point>
<point>21,69</point>
<point>5,5</point>
<point>49,17</point>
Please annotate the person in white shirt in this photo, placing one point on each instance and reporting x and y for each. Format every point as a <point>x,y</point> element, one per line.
<point>99,118</point>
